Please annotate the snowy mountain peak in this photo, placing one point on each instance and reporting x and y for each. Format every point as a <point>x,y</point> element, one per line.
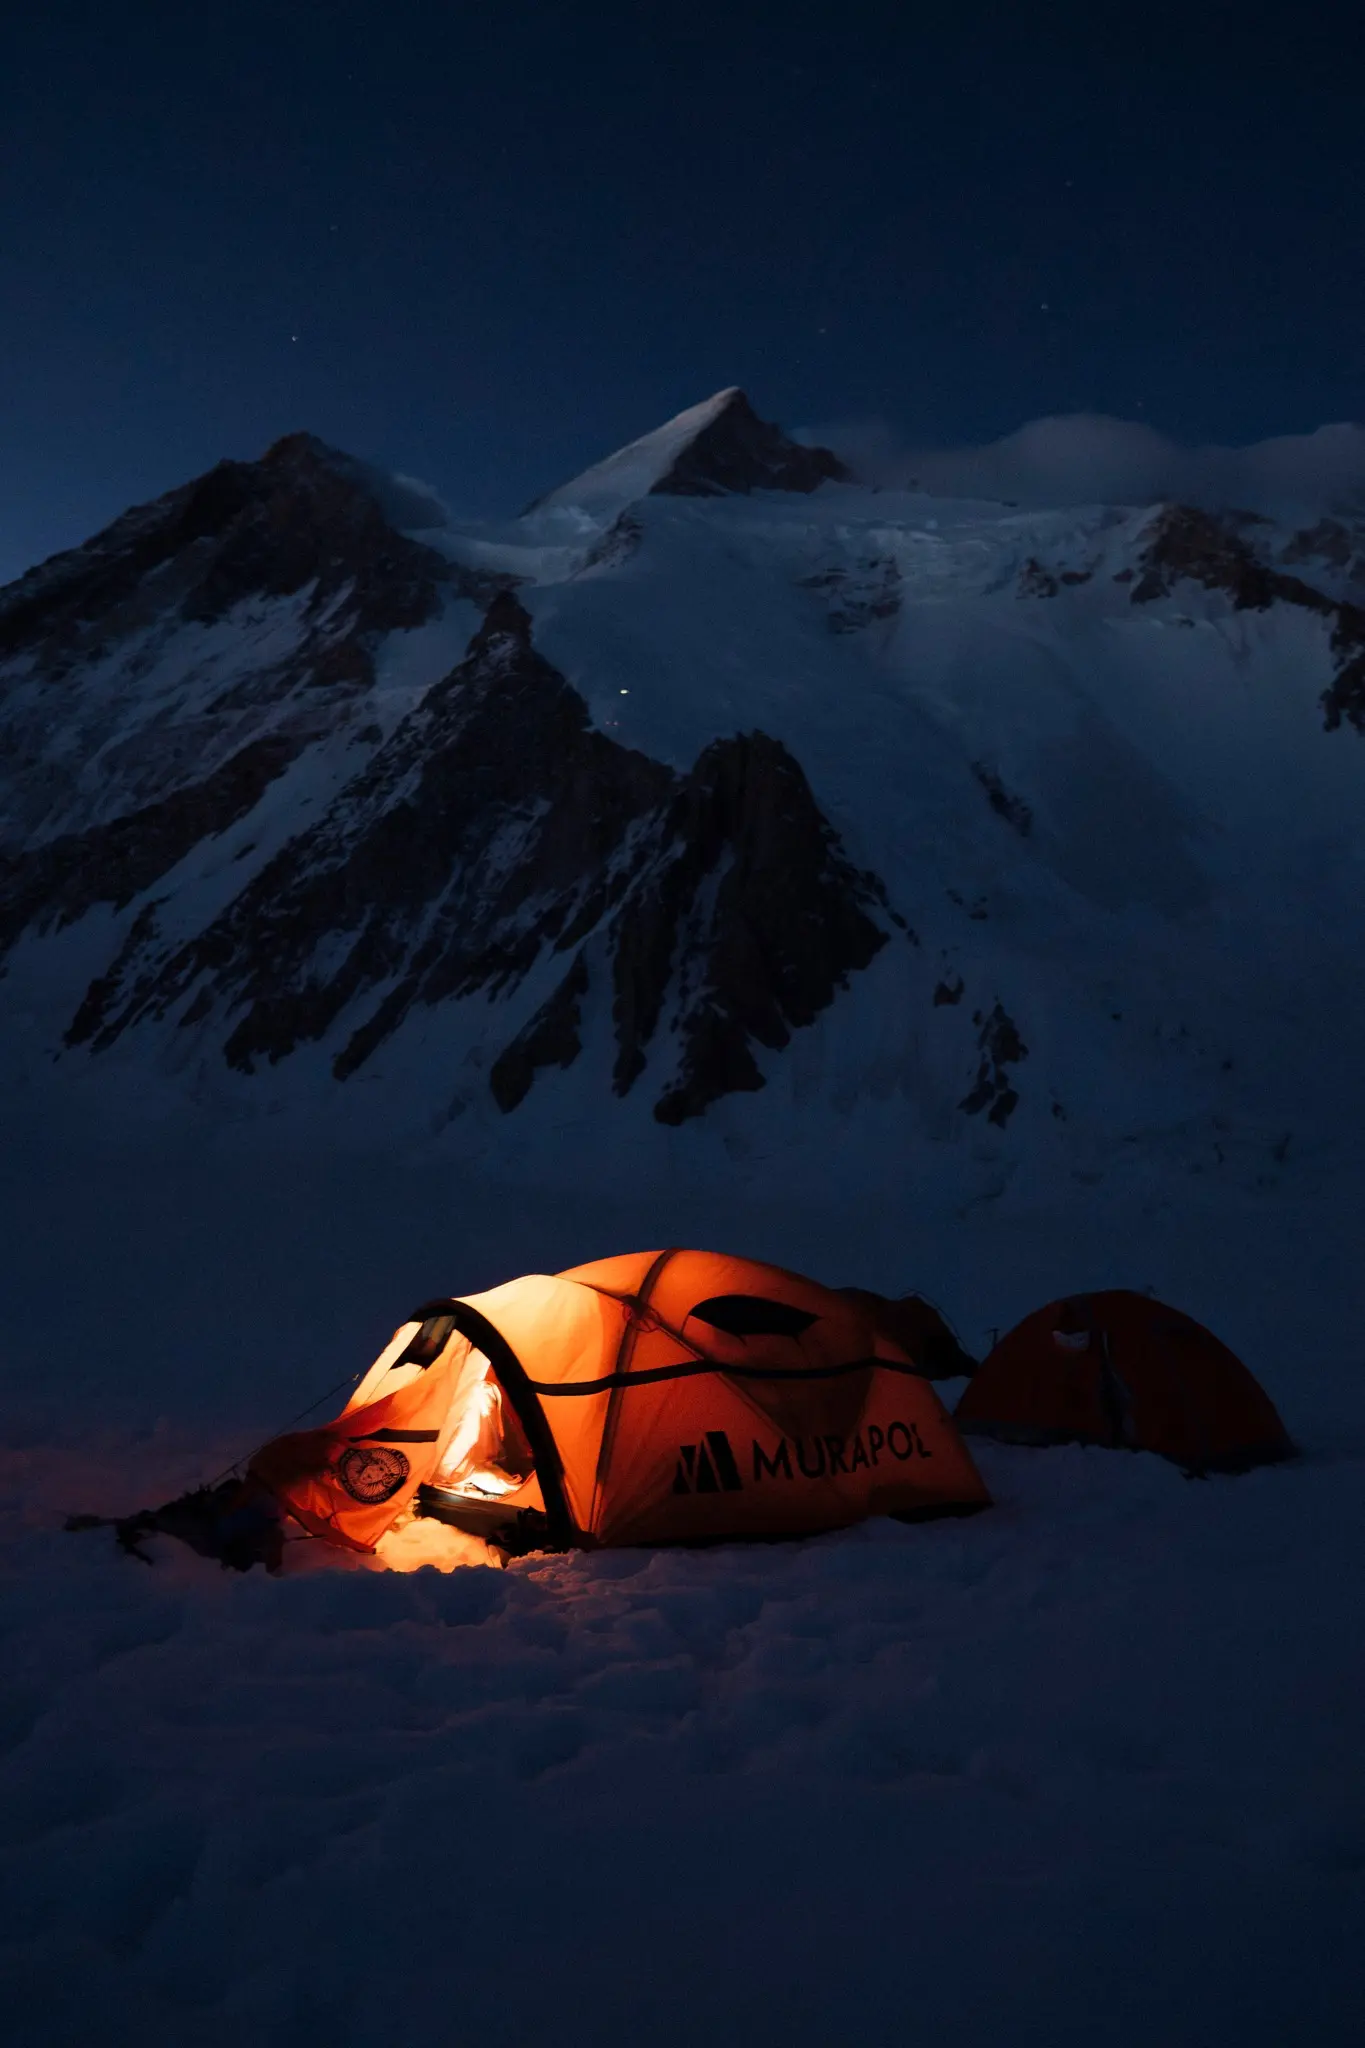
<point>986,828</point>
<point>303,518</point>
<point>710,450</point>
<point>497,832</point>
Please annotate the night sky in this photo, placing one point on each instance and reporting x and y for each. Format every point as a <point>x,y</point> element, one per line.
<point>487,243</point>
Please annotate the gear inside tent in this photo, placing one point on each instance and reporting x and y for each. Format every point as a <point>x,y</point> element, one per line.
<point>1121,1370</point>
<point>659,1397</point>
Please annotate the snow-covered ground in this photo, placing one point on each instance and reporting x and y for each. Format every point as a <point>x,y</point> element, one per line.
<point>1085,1769</point>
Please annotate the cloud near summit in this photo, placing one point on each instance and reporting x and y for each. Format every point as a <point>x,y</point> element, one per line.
<point>1089,458</point>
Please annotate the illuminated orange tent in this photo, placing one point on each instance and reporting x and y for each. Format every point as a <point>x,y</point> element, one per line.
<point>660,1397</point>
<point>1119,1369</point>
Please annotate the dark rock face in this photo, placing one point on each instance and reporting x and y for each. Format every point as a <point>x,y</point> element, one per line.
<point>737,451</point>
<point>1188,543</point>
<point>1327,541</point>
<point>1344,698</point>
<point>1185,542</point>
<point>551,1039</point>
<point>749,884</point>
<point>57,882</point>
<point>484,829</point>
<point>1003,802</point>
<point>1035,580</point>
<point>497,824</point>
<point>860,596</point>
<point>1001,1048</point>
<point>1332,542</point>
<point>620,541</point>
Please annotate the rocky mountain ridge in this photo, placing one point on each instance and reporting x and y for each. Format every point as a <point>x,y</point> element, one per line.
<point>496,825</point>
<point>755,752</point>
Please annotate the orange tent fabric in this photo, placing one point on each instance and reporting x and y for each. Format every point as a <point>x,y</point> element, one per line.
<point>1119,1369</point>
<point>659,1397</point>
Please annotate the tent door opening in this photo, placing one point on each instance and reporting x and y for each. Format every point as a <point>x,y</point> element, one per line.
<point>486,1469</point>
<point>498,1473</point>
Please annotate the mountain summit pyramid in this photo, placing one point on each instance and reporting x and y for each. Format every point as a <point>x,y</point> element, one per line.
<point>713,449</point>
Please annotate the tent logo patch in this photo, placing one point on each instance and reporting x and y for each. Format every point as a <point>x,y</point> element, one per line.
<point>707,1467</point>
<point>711,1466</point>
<point>823,1457</point>
<point>372,1473</point>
